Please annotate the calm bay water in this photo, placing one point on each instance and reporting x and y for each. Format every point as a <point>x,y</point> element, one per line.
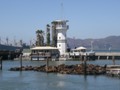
<point>32,80</point>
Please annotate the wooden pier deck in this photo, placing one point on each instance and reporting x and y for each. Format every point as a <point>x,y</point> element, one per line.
<point>107,55</point>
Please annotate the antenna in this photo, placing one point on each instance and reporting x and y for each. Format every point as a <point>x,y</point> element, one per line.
<point>62,11</point>
<point>21,42</point>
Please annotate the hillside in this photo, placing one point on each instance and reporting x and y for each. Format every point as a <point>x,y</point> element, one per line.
<point>111,42</point>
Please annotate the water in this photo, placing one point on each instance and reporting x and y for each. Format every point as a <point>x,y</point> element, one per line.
<point>32,80</point>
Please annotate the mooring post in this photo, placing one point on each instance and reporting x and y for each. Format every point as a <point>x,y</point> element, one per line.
<point>21,62</point>
<point>0,63</point>
<point>85,67</point>
<point>47,64</point>
<point>80,57</point>
<point>113,59</point>
<point>47,61</point>
<point>74,55</point>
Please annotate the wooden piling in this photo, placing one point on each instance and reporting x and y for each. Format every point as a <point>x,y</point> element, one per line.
<point>113,59</point>
<point>47,64</point>
<point>20,62</point>
<point>85,64</point>
<point>1,63</point>
<point>74,55</point>
<point>80,57</point>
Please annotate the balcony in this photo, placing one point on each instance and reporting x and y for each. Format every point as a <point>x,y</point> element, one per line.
<point>65,27</point>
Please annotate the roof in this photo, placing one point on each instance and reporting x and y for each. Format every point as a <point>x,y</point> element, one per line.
<point>59,21</point>
<point>79,48</point>
<point>113,66</point>
<point>44,48</point>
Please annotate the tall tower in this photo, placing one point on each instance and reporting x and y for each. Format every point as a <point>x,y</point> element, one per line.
<point>59,36</point>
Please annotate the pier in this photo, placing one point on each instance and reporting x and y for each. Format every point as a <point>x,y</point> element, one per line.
<point>9,55</point>
<point>107,55</point>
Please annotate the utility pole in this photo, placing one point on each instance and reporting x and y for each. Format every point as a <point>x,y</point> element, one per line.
<point>7,40</point>
<point>21,42</point>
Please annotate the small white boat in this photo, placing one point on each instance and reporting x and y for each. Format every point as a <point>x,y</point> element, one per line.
<point>77,52</point>
<point>81,52</point>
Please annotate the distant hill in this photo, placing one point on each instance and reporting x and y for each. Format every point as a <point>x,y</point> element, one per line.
<point>111,42</point>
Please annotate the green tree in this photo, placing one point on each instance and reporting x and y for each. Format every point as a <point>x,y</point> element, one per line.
<point>48,34</point>
<point>54,34</point>
<point>40,38</point>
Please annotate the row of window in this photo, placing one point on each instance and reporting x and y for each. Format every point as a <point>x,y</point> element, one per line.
<point>59,45</point>
<point>60,38</point>
<point>45,51</point>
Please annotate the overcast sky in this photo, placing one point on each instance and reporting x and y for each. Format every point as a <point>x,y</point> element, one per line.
<point>87,18</point>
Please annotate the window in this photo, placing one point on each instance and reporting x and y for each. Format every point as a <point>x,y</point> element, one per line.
<point>59,37</point>
<point>59,45</point>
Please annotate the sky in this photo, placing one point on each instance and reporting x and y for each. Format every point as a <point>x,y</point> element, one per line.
<point>19,19</point>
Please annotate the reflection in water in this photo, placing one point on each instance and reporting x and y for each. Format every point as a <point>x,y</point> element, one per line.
<point>85,82</point>
<point>1,74</point>
<point>32,80</point>
<point>60,84</point>
<point>60,75</point>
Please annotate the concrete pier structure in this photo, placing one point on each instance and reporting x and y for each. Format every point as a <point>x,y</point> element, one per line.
<point>107,55</point>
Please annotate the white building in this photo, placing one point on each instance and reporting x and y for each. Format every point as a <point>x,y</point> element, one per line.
<point>44,52</point>
<point>61,27</point>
